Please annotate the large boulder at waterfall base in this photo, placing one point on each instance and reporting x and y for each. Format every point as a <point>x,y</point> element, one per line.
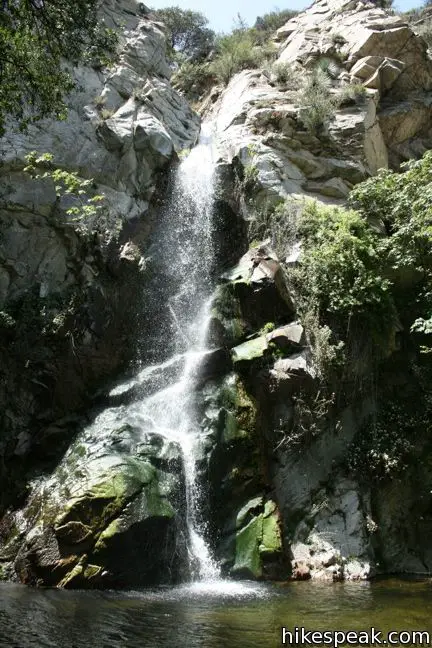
<point>124,528</point>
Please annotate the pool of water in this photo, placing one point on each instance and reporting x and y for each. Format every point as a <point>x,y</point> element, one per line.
<point>214,615</point>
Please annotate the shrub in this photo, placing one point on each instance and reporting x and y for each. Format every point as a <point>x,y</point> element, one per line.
<point>353,92</point>
<point>384,447</point>
<point>317,104</point>
<point>329,66</point>
<point>192,79</point>
<point>338,40</point>
<point>267,328</point>
<point>403,201</point>
<point>235,52</point>
<point>277,223</point>
<point>341,269</point>
<point>288,76</point>
<point>272,21</point>
<point>106,113</point>
<point>99,102</point>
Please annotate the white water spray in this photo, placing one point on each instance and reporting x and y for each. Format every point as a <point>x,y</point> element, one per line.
<point>187,250</point>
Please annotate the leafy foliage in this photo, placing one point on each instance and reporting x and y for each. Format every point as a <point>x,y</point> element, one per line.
<point>288,76</point>
<point>34,38</point>
<point>193,79</point>
<point>85,209</point>
<point>403,202</point>
<point>235,52</point>
<point>342,268</point>
<point>191,42</point>
<point>187,32</point>
<point>384,447</point>
<point>272,21</point>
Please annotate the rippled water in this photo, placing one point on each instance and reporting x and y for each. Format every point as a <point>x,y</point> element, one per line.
<point>233,615</point>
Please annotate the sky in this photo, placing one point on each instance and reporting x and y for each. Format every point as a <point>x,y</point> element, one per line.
<point>221,13</point>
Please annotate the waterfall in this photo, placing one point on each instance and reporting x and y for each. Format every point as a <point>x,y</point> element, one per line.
<point>185,252</point>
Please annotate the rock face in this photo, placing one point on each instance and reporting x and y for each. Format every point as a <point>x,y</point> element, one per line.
<point>334,522</point>
<point>285,491</point>
<point>70,292</point>
<point>259,119</point>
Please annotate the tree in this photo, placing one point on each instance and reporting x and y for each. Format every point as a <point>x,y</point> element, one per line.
<point>187,32</point>
<point>36,37</point>
<point>271,22</point>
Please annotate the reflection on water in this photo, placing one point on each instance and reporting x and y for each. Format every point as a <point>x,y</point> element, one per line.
<point>218,615</point>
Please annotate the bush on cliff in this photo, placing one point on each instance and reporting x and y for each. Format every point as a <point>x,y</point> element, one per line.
<point>403,202</point>
<point>362,268</point>
<point>342,272</point>
<point>272,21</point>
<point>238,51</point>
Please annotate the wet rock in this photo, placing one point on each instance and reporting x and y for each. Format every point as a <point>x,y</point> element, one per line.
<point>103,504</point>
<point>254,294</point>
<point>258,542</point>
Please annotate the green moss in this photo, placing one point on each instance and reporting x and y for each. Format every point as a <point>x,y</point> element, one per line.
<point>247,559</point>
<point>107,534</point>
<point>251,350</point>
<point>73,577</point>
<point>92,571</point>
<point>246,409</point>
<point>107,499</point>
<point>252,506</point>
<point>260,537</point>
<point>226,309</point>
<point>231,430</point>
<point>271,541</point>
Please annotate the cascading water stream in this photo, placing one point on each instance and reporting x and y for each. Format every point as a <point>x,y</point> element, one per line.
<point>186,252</point>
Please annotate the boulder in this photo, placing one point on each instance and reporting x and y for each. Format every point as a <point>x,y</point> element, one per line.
<point>111,516</point>
<point>255,292</point>
<point>258,540</point>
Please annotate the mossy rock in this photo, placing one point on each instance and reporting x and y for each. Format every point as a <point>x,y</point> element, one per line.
<point>251,351</point>
<point>227,326</point>
<point>258,538</point>
<point>247,556</point>
<point>107,498</point>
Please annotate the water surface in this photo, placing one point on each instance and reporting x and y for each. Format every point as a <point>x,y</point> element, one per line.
<point>236,615</point>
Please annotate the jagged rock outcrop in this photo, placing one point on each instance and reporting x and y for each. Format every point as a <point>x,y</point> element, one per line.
<point>259,120</point>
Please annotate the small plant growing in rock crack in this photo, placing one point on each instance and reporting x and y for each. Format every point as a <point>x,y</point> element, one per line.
<point>329,65</point>
<point>287,76</point>
<point>338,40</point>
<point>106,113</point>
<point>317,104</point>
<point>250,178</point>
<point>99,102</point>
<point>267,328</point>
<point>311,414</point>
<point>184,153</point>
<point>353,92</point>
